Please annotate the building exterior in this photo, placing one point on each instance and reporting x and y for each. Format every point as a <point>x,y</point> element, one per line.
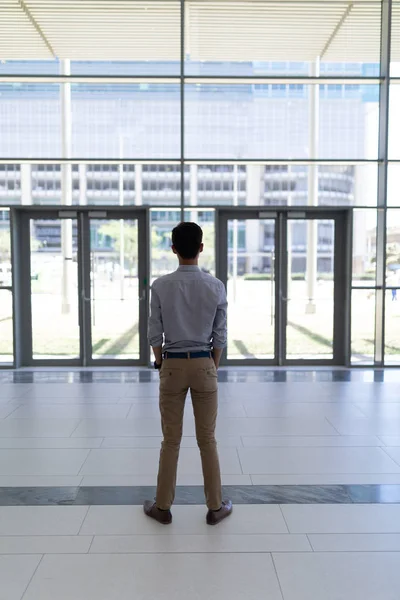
<point>142,120</point>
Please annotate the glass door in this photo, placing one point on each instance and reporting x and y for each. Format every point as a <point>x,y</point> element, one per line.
<point>54,293</point>
<point>248,249</point>
<point>310,289</point>
<point>83,277</point>
<point>117,287</point>
<point>286,275</point>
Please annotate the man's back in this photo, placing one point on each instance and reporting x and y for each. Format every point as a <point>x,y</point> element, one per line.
<point>189,307</point>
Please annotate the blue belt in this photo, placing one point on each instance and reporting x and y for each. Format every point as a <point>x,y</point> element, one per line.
<point>203,354</point>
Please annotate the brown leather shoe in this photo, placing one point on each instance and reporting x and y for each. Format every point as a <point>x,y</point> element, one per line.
<point>162,516</point>
<point>216,516</point>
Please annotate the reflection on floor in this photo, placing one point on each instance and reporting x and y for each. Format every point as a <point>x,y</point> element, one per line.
<point>311,458</point>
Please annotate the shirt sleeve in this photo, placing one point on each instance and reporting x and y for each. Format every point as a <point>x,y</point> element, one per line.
<point>155,328</point>
<point>219,334</point>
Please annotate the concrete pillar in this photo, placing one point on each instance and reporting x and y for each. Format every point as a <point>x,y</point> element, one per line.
<point>235,233</point>
<point>26,184</point>
<point>66,187</point>
<point>82,185</point>
<point>312,225</point>
<point>121,222</point>
<point>193,191</point>
<point>138,185</point>
<point>254,185</point>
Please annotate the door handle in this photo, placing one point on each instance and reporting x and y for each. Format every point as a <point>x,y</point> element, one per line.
<point>142,296</point>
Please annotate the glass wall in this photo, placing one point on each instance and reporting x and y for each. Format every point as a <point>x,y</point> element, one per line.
<point>273,104</point>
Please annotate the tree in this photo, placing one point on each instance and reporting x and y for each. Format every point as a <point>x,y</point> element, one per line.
<point>112,230</point>
<point>5,246</point>
<point>207,258</point>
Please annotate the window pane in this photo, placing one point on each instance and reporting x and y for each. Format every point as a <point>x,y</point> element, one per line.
<point>394,121</point>
<point>393,249</point>
<point>362,326</point>
<point>279,185</point>
<point>163,261</point>
<point>395,39</point>
<point>6,308</point>
<point>272,121</point>
<point>30,120</point>
<point>6,327</point>
<point>392,326</point>
<point>116,121</point>
<point>364,248</point>
<point>393,190</point>
<point>245,38</point>
<point>108,121</point>
<point>205,218</point>
<point>54,289</point>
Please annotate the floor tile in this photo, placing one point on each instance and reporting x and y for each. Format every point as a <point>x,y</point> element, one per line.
<point>144,461</point>
<point>343,518</point>
<point>138,390</point>
<point>356,542</point>
<point>280,426</point>
<point>49,544</point>
<point>155,442</point>
<point>155,544</point>
<point>51,442</point>
<point>41,520</point>
<point>326,478</point>
<point>152,410</point>
<point>390,440</point>
<point>109,576</point>
<point>124,520</point>
<point>30,462</point>
<point>7,409</point>
<point>15,574</point>
<point>71,411</point>
<point>366,426</point>
<point>13,390</point>
<point>259,441</point>
<point>110,391</point>
<point>389,410</point>
<point>39,481</point>
<point>188,479</point>
<point>316,460</point>
<point>123,428</point>
<point>303,410</point>
<point>339,576</point>
<point>394,453</point>
<point>38,427</point>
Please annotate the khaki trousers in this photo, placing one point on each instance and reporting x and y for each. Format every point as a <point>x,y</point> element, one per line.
<point>177,376</point>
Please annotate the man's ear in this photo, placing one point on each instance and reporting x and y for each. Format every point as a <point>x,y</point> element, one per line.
<point>201,248</point>
<point>174,249</point>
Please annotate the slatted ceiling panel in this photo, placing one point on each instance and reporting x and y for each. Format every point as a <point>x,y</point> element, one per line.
<point>220,30</point>
<point>358,38</point>
<point>395,56</point>
<point>260,31</point>
<point>18,36</point>
<point>110,30</point>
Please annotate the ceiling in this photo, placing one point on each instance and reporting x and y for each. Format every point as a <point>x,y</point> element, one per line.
<point>246,30</point>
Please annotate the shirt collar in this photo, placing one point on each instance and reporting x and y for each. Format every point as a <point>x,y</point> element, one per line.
<point>188,268</point>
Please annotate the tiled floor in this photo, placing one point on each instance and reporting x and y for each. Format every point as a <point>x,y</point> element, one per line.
<point>62,430</point>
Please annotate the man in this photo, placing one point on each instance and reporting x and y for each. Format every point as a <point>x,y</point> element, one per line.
<point>188,310</point>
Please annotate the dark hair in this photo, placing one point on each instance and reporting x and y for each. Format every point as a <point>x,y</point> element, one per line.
<point>187,239</point>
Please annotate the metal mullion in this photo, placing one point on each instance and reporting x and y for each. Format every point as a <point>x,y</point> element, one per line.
<point>84,300</point>
<point>58,79</point>
<point>386,14</point>
<point>190,161</point>
<point>182,108</point>
<point>281,287</point>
